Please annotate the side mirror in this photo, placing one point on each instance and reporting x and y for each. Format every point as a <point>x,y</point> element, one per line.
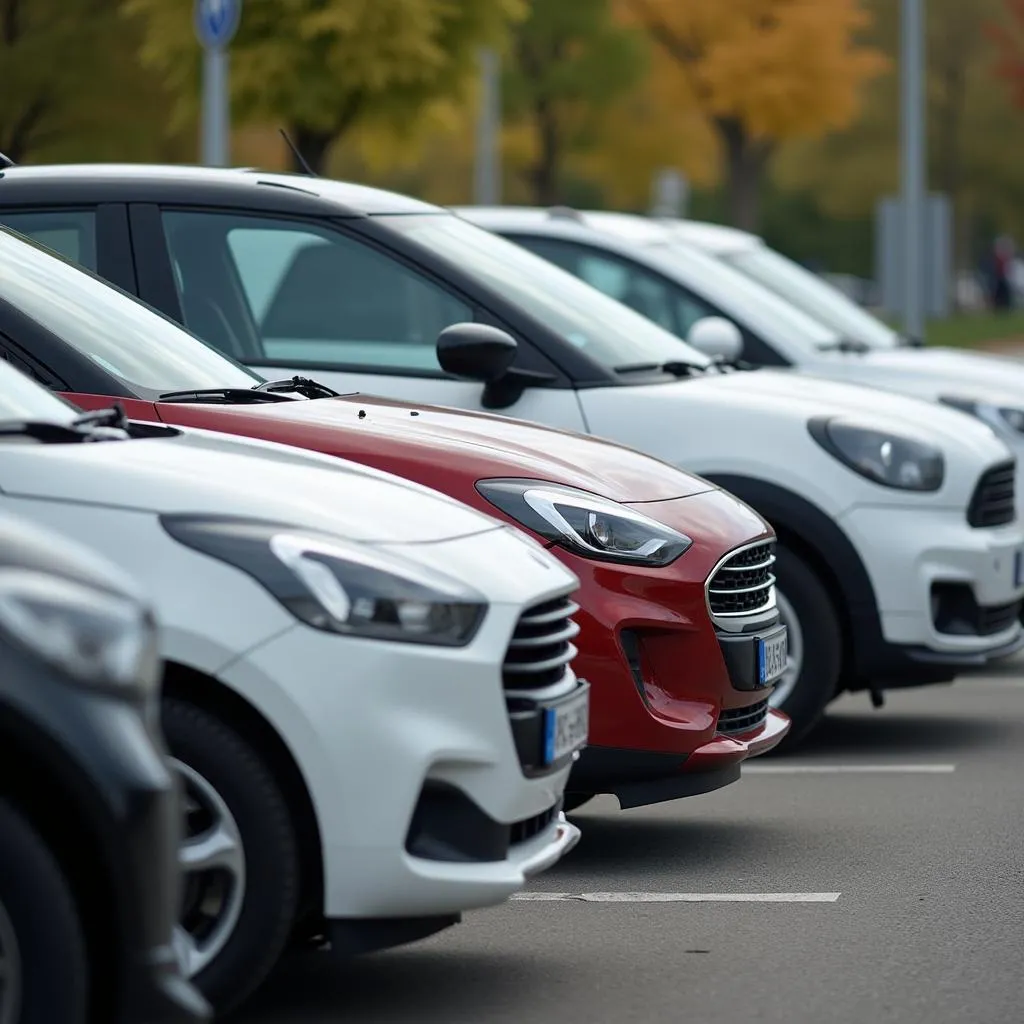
<point>475,352</point>
<point>717,337</point>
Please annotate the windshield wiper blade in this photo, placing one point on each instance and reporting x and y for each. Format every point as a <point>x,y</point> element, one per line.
<point>111,417</point>
<point>674,367</point>
<point>847,345</point>
<point>110,424</point>
<point>227,395</point>
<point>305,386</point>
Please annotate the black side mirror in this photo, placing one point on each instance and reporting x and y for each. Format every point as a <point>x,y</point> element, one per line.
<point>475,352</point>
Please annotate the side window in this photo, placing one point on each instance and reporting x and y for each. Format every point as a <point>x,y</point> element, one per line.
<point>287,292</point>
<point>72,233</point>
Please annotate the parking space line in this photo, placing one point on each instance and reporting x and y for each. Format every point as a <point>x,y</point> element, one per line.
<point>677,897</point>
<point>848,769</point>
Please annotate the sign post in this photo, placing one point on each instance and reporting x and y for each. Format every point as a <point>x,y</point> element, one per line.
<point>216,22</point>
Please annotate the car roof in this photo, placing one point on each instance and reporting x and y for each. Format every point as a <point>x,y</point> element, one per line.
<point>239,183</point>
<point>716,238</point>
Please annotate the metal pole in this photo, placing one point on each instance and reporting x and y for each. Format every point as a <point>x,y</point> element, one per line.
<point>487,172</point>
<point>215,114</point>
<point>912,165</point>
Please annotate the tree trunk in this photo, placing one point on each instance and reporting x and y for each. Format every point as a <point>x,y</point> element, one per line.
<point>544,175</point>
<point>745,162</point>
<point>313,145</point>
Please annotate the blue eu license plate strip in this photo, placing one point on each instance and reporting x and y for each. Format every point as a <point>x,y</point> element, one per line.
<point>771,657</point>
<point>565,727</point>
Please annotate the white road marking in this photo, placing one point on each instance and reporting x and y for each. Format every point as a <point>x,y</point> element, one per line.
<point>848,769</point>
<point>678,897</point>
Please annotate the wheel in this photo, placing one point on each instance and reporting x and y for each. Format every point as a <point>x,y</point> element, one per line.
<point>573,800</point>
<point>815,645</point>
<point>239,857</point>
<point>44,972</point>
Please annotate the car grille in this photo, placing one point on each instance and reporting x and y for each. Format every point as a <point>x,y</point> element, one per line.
<point>737,720</point>
<point>541,646</point>
<point>743,583</point>
<point>993,501</point>
<point>522,831</point>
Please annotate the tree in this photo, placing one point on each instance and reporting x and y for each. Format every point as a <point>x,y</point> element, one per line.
<point>761,72</point>
<point>322,66</point>
<point>567,62</point>
<point>1008,37</point>
<point>69,83</point>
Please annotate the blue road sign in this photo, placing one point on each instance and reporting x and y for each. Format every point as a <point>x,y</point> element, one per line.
<point>216,22</point>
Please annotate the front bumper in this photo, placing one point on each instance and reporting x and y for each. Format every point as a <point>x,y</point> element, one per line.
<point>913,554</point>
<point>637,778</point>
<point>378,730</point>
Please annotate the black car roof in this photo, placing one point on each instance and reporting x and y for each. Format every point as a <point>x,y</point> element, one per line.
<point>249,187</point>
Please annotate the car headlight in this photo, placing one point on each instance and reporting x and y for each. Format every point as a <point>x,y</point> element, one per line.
<point>1000,417</point>
<point>888,459</point>
<point>585,523</point>
<point>336,585</point>
<point>94,636</point>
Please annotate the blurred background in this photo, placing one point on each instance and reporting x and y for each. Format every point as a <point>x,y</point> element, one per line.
<point>778,116</point>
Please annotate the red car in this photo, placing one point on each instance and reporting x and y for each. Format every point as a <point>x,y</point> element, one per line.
<point>679,638</point>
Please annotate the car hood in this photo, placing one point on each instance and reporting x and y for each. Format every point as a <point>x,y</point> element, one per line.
<point>202,472</point>
<point>780,396</point>
<point>401,437</point>
<point>931,373</point>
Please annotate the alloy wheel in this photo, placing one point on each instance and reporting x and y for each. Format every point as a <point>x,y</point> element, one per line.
<point>795,652</point>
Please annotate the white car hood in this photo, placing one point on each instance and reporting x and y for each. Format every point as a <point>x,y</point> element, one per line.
<point>204,472</point>
<point>930,373</point>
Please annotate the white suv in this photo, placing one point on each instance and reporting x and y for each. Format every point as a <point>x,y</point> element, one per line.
<point>357,763</point>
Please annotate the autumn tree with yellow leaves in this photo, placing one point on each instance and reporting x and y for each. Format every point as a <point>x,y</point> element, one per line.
<point>319,68</point>
<point>761,72</point>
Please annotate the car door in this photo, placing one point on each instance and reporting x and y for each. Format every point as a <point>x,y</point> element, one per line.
<point>288,295</point>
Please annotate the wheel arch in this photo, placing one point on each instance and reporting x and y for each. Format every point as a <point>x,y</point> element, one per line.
<point>207,692</point>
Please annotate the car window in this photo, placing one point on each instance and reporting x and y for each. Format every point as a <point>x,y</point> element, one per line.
<point>21,398</point>
<point>302,293</point>
<point>72,233</point>
<point>650,294</point>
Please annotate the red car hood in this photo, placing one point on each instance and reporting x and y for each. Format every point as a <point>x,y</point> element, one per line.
<point>401,438</point>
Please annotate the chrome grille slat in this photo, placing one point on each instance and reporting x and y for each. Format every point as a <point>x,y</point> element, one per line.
<point>540,648</point>
<point>742,584</point>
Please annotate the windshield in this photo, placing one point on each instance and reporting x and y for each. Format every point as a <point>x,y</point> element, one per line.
<point>24,399</point>
<point>745,300</point>
<point>813,295</point>
<point>128,339</point>
<point>604,329</point>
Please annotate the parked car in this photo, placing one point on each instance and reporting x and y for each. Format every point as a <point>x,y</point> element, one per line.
<point>90,816</point>
<point>730,296</point>
<point>367,686</point>
<point>681,648</point>
<point>899,549</point>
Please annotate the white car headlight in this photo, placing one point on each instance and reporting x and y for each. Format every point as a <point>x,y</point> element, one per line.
<point>94,636</point>
<point>585,523</point>
<point>996,416</point>
<point>337,585</point>
<point>886,458</point>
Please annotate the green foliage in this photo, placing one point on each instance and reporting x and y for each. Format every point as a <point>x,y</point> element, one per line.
<point>321,66</point>
<point>71,88</point>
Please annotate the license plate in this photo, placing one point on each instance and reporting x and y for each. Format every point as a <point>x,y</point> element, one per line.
<point>771,657</point>
<point>1018,569</point>
<point>565,727</point>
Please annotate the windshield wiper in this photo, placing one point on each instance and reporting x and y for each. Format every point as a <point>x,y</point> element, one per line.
<point>305,386</point>
<point>847,345</point>
<point>674,367</point>
<point>228,395</point>
<point>109,424</point>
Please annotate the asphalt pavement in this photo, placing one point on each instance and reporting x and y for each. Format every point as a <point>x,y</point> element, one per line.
<point>877,875</point>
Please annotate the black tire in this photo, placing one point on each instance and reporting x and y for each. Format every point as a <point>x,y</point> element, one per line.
<point>243,781</point>
<point>815,611</point>
<point>40,911</point>
<point>574,800</point>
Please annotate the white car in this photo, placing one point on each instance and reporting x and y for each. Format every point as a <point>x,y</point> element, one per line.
<point>728,294</point>
<point>356,762</point>
<point>899,545</point>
